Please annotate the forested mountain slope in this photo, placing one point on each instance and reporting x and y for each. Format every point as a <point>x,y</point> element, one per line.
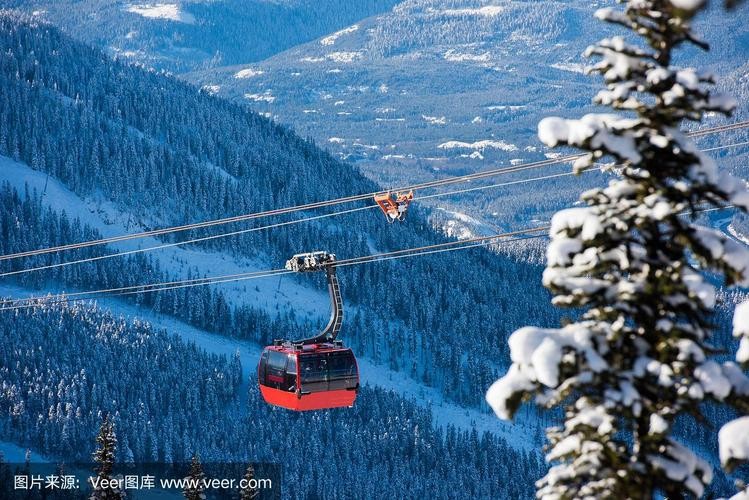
<point>409,90</point>
<point>183,35</point>
<point>170,400</point>
<point>92,124</point>
<point>162,153</point>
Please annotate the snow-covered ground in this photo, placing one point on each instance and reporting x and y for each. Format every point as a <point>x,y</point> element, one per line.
<point>479,145</point>
<point>248,73</point>
<point>331,39</point>
<point>487,11</point>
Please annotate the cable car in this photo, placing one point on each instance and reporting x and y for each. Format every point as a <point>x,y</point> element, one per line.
<point>394,208</point>
<point>308,377</point>
<point>318,372</point>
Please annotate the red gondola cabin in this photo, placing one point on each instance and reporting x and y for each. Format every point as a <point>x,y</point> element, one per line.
<point>315,373</point>
<point>308,377</point>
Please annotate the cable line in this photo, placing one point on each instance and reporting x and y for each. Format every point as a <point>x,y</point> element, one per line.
<point>337,201</point>
<point>135,289</point>
<point>179,243</point>
<point>479,241</point>
<point>307,219</point>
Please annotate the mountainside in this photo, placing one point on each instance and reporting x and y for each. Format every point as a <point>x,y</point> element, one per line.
<point>438,87</point>
<point>180,35</point>
<point>409,90</point>
<point>188,403</point>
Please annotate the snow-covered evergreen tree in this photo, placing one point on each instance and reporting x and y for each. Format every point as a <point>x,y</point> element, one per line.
<point>195,490</point>
<point>250,490</point>
<point>632,261</point>
<point>104,456</point>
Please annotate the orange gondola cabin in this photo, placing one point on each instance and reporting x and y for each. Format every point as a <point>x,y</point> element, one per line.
<point>394,206</point>
<point>316,373</point>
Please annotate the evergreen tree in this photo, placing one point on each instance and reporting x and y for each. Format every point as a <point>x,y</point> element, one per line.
<point>104,456</point>
<point>633,261</point>
<point>195,489</point>
<point>250,490</point>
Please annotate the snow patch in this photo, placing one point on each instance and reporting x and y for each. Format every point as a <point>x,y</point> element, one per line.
<point>506,107</point>
<point>168,11</point>
<point>264,97</point>
<point>479,145</point>
<point>454,56</point>
<point>741,330</point>
<point>331,39</point>
<point>459,226</point>
<point>211,89</point>
<point>571,67</point>
<point>344,57</point>
<point>486,11</point>
<point>248,73</point>
<point>691,5</point>
<point>733,439</point>
<point>435,120</point>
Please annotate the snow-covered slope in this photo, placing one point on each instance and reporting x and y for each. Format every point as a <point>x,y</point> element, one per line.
<point>410,90</point>
<point>269,294</point>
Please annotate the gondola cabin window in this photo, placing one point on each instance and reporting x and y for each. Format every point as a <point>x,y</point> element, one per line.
<point>314,372</point>
<point>275,374</point>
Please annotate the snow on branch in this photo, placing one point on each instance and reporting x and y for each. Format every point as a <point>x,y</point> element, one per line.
<point>741,331</point>
<point>682,465</point>
<point>538,355</point>
<point>733,440</point>
<point>592,131</point>
<point>632,263</point>
<point>724,250</point>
